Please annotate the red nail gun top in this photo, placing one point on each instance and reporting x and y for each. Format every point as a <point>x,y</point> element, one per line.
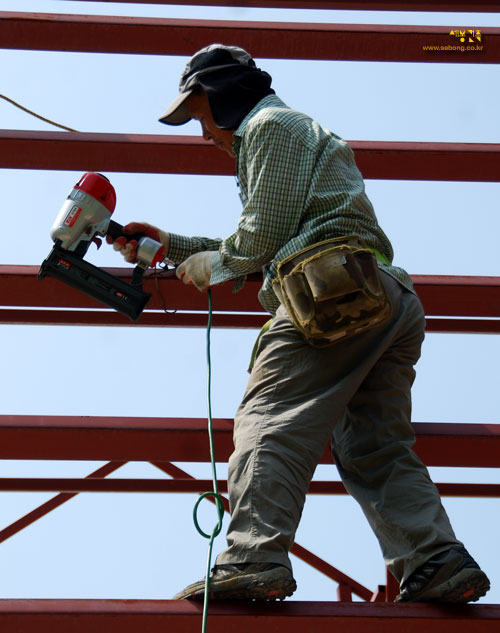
<point>99,187</point>
<point>85,213</point>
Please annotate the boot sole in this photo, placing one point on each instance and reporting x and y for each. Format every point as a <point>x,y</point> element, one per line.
<point>468,585</point>
<point>262,586</point>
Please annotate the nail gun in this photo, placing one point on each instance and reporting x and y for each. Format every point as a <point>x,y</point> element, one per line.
<point>85,215</point>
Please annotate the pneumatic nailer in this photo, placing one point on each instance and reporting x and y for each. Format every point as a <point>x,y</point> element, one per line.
<point>85,215</point>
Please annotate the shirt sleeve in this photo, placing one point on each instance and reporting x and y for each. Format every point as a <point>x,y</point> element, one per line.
<point>275,176</point>
<point>181,247</point>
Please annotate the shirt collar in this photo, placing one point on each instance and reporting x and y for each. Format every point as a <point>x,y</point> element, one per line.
<point>266,102</point>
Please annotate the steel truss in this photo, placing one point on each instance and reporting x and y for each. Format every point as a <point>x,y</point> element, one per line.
<point>452,304</point>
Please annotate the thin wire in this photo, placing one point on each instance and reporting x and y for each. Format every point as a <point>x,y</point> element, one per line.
<point>71,129</point>
<point>215,493</point>
<point>155,276</point>
<point>38,116</point>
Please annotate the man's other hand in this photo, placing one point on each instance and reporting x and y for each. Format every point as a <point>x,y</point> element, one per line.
<point>196,270</point>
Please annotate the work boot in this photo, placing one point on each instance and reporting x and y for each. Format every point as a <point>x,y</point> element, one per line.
<point>452,576</point>
<point>244,581</point>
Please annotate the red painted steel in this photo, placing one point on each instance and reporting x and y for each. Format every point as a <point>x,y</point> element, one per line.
<point>19,287</point>
<point>176,472</point>
<point>445,295</point>
<point>184,616</point>
<point>199,320</point>
<point>441,295</point>
<point>152,153</point>
<point>184,440</point>
<point>179,319</point>
<point>55,502</point>
<point>391,586</point>
<point>330,571</point>
<point>186,483</point>
<point>344,593</point>
<point>140,153</point>
<point>465,326</point>
<point>94,484</point>
<point>159,36</point>
<point>379,594</point>
<point>52,504</point>
<point>353,5</point>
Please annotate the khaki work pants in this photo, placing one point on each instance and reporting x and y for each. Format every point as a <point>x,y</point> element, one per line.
<point>356,395</point>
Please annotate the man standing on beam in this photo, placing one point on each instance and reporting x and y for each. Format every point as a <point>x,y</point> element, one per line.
<point>336,363</point>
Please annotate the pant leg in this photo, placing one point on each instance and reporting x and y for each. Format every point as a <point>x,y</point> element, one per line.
<point>295,397</point>
<point>372,447</point>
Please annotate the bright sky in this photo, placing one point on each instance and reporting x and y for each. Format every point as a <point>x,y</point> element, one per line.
<point>145,546</point>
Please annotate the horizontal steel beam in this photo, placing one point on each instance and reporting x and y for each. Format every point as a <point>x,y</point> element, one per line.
<point>199,320</point>
<point>140,153</point>
<point>184,616</point>
<point>95,484</point>
<point>187,320</point>
<point>185,440</point>
<point>353,5</point>
<point>160,36</point>
<point>441,295</point>
<point>463,326</point>
<point>461,296</point>
<point>152,153</point>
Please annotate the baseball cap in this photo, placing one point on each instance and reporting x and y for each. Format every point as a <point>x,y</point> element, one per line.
<point>205,61</point>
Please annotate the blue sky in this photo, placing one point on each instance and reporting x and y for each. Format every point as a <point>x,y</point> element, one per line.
<point>145,546</point>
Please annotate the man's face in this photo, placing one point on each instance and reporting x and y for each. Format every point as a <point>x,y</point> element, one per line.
<point>199,109</point>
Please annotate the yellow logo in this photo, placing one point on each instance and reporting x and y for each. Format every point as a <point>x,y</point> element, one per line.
<point>472,36</point>
<point>464,41</point>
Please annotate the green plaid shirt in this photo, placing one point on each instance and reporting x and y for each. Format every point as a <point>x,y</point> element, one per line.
<point>299,185</point>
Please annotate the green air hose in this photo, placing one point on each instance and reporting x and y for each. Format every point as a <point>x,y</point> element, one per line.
<point>215,493</point>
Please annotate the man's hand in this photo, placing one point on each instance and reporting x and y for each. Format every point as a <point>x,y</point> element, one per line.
<point>196,270</point>
<point>128,248</point>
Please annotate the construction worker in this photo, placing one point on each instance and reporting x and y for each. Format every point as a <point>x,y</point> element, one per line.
<point>337,362</point>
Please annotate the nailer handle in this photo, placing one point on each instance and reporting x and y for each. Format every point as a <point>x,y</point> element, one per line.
<point>115,231</point>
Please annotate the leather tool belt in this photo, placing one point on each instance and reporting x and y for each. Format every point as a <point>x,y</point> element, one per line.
<point>332,290</point>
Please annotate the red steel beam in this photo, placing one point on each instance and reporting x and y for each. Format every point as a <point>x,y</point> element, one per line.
<point>19,287</point>
<point>160,36</point>
<point>185,440</point>
<point>181,319</point>
<point>152,153</point>
<point>447,295</point>
<point>441,295</point>
<point>94,484</point>
<point>184,616</point>
<point>464,326</point>
<point>139,153</point>
<point>52,504</point>
<point>353,5</point>
<point>187,320</point>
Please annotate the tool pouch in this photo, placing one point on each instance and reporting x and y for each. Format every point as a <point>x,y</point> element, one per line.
<point>332,290</point>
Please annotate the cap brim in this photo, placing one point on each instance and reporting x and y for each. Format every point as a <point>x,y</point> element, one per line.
<point>177,112</point>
